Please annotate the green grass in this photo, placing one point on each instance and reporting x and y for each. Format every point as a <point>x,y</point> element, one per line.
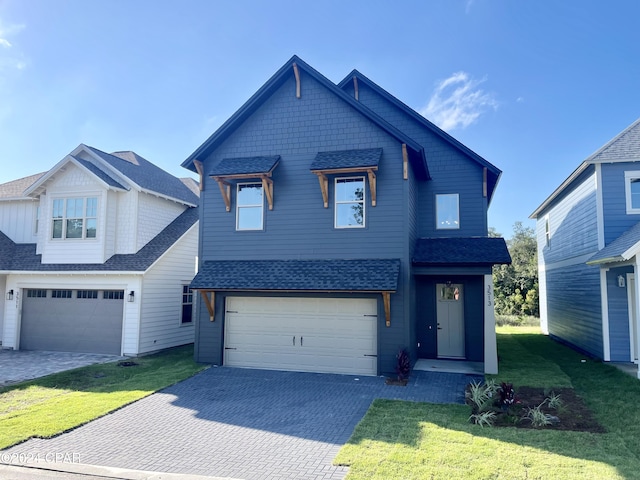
<point>404,440</point>
<point>56,403</point>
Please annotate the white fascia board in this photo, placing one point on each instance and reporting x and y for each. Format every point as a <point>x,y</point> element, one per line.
<point>74,272</point>
<point>632,251</point>
<point>166,252</point>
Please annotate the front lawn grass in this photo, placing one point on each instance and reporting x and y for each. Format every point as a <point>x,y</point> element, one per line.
<point>53,404</point>
<point>404,440</point>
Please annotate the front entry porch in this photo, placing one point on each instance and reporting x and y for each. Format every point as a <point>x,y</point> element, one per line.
<point>449,366</point>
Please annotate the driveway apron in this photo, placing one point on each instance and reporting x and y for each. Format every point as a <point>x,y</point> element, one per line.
<point>240,423</point>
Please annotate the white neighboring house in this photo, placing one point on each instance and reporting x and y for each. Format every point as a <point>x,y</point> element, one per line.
<point>96,255</point>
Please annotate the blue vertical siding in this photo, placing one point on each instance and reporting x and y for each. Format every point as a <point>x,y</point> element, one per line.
<point>618,315</point>
<point>574,306</point>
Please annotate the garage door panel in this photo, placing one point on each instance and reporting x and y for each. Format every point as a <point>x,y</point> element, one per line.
<point>330,335</point>
<point>72,324</point>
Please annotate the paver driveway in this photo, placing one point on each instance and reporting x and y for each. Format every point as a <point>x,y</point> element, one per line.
<point>249,424</point>
<point>21,365</point>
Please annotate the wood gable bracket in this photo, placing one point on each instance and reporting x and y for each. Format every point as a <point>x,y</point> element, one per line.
<point>200,170</point>
<point>324,181</point>
<point>296,73</point>
<point>386,299</point>
<point>209,297</point>
<point>225,186</point>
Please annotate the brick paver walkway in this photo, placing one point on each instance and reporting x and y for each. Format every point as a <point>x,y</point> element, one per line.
<point>241,423</point>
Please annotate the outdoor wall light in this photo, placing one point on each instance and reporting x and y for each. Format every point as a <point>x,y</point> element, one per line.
<point>131,296</point>
<point>10,295</point>
<point>621,282</point>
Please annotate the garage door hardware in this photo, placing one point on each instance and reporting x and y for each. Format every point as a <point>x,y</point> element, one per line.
<point>301,341</point>
<point>230,348</point>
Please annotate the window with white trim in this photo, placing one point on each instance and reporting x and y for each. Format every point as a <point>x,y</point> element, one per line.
<point>448,211</point>
<point>632,191</point>
<point>187,305</point>
<point>547,231</point>
<point>74,218</point>
<point>349,202</point>
<point>249,206</point>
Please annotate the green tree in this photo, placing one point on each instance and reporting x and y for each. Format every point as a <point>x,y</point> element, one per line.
<point>516,286</point>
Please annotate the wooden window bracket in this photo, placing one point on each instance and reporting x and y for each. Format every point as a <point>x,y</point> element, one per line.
<point>324,182</point>
<point>267,186</point>
<point>484,182</point>
<point>225,190</point>
<point>209,297</point>
<point>355,88</point>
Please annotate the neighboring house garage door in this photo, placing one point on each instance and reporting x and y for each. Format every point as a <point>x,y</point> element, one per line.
<point>330,335</point>
<point>88,321</point>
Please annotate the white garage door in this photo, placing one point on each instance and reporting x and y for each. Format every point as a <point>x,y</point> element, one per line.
<point>302,334</point>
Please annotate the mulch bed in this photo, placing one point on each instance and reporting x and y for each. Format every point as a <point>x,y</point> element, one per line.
<point>573,414</point>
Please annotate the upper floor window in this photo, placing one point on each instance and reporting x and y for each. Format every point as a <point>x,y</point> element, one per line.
<point>632,191</point>
<point>249,206</point>
<point>447,211</point>
<point>349,203</point>
<point>187,304</point>
<point>547,231</point>
<point>75,217</point>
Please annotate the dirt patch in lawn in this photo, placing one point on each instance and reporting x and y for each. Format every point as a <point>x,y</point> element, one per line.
<point>572,414</point>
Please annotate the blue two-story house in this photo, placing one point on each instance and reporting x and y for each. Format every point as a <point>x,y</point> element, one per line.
<point>588,234</point>
<point>337,227</point>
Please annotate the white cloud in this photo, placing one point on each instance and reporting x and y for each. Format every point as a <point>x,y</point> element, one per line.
<point>12,59</point>
<point>5,43</point>
<point>458,102</point>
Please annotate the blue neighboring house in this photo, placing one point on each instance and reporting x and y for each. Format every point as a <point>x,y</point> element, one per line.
<point>338,226</point>
<point>588,233</point>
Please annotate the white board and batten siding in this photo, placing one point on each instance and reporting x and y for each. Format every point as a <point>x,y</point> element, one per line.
<point>17,220</point>
<point>160,323</point>
<point>324,335</point>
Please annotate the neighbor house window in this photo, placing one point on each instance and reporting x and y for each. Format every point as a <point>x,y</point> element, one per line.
<point>61,293</point>
<point>37,220</point>
<point>447,211</point>
<point>36,293</point>
<point>249,206</point>
<point>75,218</point>
<point>87,294</point>
<point>113,294</point>
<point>632,191</point>
<point>349,206</point>
<point>187,305</point>
<point>547,231</point>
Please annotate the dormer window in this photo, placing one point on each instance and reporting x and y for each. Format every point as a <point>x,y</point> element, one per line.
<point>74,218</point>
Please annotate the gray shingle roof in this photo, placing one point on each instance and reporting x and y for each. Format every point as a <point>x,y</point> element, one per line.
<point>148,176</point>
<point>461,251</point>
<point>22,256</point>
<point>247,165</point>
<point>347,159</point>
<point>624,147</point>
<point>613,252</point>
<point>102,175</point>
<point>304,275</point>
<point>16,188</point>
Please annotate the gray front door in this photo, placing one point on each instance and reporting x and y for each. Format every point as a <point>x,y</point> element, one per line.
<point>72,324</point>
<point>450,315</point>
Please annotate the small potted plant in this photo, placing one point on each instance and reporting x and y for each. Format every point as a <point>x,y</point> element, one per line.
<point>403,368</point>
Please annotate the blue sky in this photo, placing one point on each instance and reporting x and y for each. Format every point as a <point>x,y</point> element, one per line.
<point>533,87</point>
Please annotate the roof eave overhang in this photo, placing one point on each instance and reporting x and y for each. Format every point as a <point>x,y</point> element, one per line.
<point>581,168</point>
